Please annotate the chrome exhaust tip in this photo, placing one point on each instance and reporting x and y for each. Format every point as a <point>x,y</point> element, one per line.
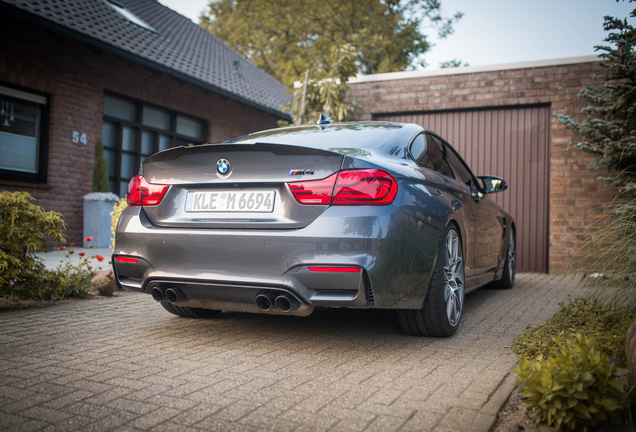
<point>174,295</point>
<point>263,302</point>
<point>286,304</point>
<point>158,294</point>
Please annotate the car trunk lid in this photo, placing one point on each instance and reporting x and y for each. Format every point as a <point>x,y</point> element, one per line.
<point>248,191</point>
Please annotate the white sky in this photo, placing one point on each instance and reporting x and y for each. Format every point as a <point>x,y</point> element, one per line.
<point>505,31</point>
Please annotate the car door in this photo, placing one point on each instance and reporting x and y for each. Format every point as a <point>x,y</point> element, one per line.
<point>487,215</point>
<point>427,153</point>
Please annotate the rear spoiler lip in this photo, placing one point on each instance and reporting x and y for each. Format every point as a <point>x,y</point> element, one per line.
<point>287,149</point>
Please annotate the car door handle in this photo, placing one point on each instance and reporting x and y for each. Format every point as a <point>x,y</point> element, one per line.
<point>456,205</point>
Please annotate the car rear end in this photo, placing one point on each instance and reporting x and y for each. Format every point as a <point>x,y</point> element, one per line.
<point>255,227</point>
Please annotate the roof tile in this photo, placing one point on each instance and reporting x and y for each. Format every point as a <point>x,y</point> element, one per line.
<point>179,44</point>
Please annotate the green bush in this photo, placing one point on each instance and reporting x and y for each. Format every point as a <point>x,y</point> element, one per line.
<point>25,228</point>
<point>66,281</point>
<point>607,325</point>
<point>577,388</point>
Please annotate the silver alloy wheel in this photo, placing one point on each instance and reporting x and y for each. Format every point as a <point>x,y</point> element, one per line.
<point>453,278</point>
<point>512,263</point>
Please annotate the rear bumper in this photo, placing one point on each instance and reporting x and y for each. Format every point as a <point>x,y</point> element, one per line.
<point>234,266</point>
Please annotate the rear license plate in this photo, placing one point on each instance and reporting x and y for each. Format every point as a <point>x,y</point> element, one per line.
<point>223,201</point>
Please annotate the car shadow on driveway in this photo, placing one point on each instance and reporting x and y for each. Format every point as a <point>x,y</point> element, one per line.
<point>355,323</point>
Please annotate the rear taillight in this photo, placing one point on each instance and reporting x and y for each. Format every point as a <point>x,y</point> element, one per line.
<point>364,187</point>
<point>140,192</point>
<point>314,191</point>
<point>352,187</point>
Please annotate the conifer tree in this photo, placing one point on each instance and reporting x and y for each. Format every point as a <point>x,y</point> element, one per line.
<point>609,133</point>
<point>100,171</point>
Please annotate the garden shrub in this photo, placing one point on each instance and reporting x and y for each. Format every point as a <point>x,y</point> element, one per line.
<point>607,325</point>
<point>120,206</point>
<point>68,280</point>
<point>578,387</point>
<point>25,229</point>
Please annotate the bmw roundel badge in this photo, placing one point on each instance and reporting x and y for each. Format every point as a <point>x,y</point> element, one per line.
<point>223,167</point>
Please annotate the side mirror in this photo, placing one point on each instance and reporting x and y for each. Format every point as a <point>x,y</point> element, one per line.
<point>493,184</point>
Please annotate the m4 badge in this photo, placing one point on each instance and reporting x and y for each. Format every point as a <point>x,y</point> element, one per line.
<point>301,172</point>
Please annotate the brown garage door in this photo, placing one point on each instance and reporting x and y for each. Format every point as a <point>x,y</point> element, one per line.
<point>512,143</point>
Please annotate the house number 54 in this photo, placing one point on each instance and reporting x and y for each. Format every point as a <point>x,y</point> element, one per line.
<point>79,138</point>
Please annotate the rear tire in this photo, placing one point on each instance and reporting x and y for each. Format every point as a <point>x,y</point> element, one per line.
<point>442,310</point>
<point>510,265</point>
<point>188,312</point>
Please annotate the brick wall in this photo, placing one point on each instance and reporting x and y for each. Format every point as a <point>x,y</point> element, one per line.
<point>574,190</point>
<point>75,77</point>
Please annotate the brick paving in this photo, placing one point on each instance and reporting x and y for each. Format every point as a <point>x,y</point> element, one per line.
<point>125,364</point>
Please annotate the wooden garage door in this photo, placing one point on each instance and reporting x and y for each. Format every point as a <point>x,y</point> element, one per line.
<point>512,143</point>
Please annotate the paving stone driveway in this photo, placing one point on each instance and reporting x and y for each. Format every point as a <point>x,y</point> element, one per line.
<point>126,364</point>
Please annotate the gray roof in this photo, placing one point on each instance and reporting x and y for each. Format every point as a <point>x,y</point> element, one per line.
<point>179,47</point>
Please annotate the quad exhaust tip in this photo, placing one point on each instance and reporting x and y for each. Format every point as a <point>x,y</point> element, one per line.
<point>174,295</point>
<point>158,294</point>
<point>284,303</point>
<point>264,302</point>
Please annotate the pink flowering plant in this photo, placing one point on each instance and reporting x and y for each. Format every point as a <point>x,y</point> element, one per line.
<point>77,282</point>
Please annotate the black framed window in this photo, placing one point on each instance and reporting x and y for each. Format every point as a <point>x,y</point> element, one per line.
<point>457,164</point>
<point>23,125</point>
<point>426,154</point>
<point>134,130</point>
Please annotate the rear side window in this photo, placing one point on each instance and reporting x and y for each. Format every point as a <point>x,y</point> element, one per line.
<point>428,155</point>
<point>462,173</point>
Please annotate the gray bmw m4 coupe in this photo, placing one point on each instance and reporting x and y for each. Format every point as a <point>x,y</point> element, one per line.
<point>357,215</point>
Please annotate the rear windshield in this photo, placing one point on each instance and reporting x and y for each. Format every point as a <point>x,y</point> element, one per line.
<point>364,135</point>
